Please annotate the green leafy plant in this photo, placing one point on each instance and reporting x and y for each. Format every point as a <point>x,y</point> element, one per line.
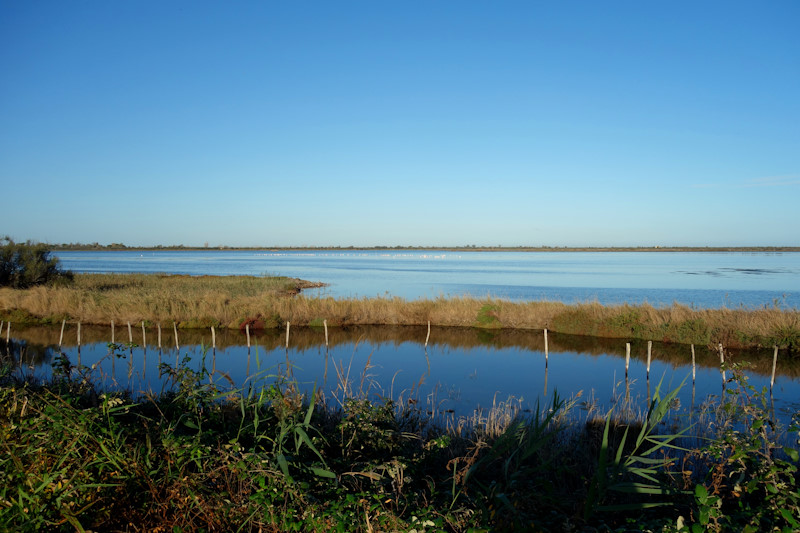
<point>639,472</point>
<point>751,482</point>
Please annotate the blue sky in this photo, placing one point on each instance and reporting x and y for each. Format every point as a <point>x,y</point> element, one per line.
<point>400,123</point>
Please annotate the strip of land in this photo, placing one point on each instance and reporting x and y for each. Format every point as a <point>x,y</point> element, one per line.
<point>270,302</point>
<point>469,248</point>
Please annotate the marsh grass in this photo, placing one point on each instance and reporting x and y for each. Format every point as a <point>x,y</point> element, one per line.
<point>269,302</point>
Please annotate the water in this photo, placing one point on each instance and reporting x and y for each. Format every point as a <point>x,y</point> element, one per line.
<point>461,371</point>
<point>701,279</point>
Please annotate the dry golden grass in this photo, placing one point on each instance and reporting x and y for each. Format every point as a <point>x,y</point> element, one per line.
<point>193,302</point>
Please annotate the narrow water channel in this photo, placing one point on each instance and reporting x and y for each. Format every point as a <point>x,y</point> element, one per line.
<point>459,373</point>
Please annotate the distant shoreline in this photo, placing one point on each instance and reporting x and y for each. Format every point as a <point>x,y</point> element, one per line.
<point>172,248</point>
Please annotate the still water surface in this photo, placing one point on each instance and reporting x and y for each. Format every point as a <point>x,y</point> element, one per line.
<point>458,372</point>
<point>702,279</point>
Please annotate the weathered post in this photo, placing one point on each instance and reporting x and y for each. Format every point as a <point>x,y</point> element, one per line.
<point>546,349</point>
<point>61,337</point>
<point>693,365</point>
<point>774,365</point>
<point>649,355</point>
<point>287,335</point>
<point>112,332</point>
<point>79,343</point>
<point>428,336</point>
<point>130,354</point>
<point>722,363</point>
<point>159,348</point>
<point>177,346</point>
<point>144,339</point>
<point>213,354</point>
<point>325,325</point>
<point>627,358</point>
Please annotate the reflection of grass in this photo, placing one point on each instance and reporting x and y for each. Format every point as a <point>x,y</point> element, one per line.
<point>200,302</point>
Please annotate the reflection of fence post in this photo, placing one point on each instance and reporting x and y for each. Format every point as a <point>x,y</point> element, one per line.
<point>627,358</point>
<point>774,364</point>
<point>61,337</point>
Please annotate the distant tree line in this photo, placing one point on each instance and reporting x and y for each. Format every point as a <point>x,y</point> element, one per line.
<point>23,265</point>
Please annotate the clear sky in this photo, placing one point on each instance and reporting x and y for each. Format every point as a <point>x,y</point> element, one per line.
<point>569,123</point>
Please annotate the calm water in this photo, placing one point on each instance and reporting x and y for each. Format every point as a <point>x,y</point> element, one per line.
<point>710,280</point>
<point>459,372</point>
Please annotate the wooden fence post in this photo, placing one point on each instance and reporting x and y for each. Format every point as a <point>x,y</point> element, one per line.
<point>774,365</point>
<point>627,357</point>
<point>428,336</point>
<point>546,348</point>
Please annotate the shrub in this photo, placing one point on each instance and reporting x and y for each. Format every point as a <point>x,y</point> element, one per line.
<point>26,264</point>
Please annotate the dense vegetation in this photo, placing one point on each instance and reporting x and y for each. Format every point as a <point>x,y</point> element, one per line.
<point>24,265</point>
<point>199,456</point>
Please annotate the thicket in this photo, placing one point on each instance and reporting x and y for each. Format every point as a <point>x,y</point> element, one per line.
<point>24,265</point>
<point>200,456</point>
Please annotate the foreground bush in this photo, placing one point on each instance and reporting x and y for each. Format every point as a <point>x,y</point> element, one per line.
<point>199,456</point>
<point>24,265</point>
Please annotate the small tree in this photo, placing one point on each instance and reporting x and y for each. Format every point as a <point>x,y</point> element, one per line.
<point>26,264</point>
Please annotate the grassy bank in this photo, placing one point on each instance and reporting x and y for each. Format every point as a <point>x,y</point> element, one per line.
<point>200,456</point>
<point>266,302</point>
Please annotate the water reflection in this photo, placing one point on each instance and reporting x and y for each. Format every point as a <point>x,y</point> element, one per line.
<point>458,371</point>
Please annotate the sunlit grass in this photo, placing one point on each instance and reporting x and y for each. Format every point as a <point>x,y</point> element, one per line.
<point>228,301</point>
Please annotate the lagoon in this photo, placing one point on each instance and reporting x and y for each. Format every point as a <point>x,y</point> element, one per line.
<point>699,279</point>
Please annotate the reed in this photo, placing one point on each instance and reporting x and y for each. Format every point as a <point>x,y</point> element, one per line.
<point>265,302</point>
